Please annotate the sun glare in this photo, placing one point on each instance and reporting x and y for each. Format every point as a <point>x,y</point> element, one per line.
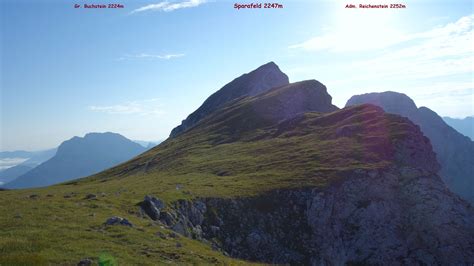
<point>363,29</point>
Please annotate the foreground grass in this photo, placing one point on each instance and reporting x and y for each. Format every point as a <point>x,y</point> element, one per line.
<point>42,227</point>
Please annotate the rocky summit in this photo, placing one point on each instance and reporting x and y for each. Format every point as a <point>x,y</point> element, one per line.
<point>275,175</point>
<point>257,81</point>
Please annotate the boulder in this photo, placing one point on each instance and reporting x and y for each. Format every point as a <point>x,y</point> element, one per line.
<point>90,196</point>
<point>152,207</point>
<point>85,262</point>
<point>116,220</point>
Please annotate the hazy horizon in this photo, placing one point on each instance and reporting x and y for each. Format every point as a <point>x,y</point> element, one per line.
<point>138,141</point>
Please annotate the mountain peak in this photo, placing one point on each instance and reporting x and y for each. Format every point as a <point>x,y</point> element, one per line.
<point>269,65</point>
<point>255,82</point>
<point>104,134</point>
<point>390,101</point>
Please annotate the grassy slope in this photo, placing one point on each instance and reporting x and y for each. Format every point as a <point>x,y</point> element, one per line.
<point>211,160</point>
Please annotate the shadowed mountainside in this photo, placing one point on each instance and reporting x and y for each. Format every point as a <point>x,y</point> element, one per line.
<point>454,151</point>
<point>79,157</point>
<point>464,126</point>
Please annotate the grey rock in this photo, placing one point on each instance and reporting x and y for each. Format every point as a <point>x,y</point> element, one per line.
<point>173,235</point>
<point>214,230</point>
<point>116,220</point>
<point>85,262</point>
<point>197,232</point>
<point>152,207</point>
<point>181,229</point>
<point>161,235</point>
<point>167,217</point>
<point>69,195</point>
<point>90,196</point>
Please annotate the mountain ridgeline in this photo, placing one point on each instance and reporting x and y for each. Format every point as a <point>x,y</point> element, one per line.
<point>257,81</point>
<point>455,152</point>
<point>271,173</point>
<point>464,126</point>
<point>32,159</point>
<point>14,172</point>
<point>80,157</point>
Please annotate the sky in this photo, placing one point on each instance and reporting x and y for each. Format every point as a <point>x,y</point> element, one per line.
<point>141,69</point>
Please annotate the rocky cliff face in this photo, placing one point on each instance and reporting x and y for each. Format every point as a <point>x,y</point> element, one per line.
<point>454,151</point>
<point>405,216</point>
<point>255,82</point>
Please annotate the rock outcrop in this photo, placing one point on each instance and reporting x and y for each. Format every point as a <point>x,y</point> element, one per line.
<point>152,207</point>
<point>454,151</point>
<point>116,220</point>
<point>396,216</point>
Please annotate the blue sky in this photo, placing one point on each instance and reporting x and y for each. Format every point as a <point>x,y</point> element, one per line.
<point>140,70</point>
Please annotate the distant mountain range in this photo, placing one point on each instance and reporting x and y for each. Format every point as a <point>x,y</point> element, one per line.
<point>16,154</point>
<point>148,144</point>
<point>29,161</point>
<point>464,126</point>
<point>79,157</point>
<point>10,174</point>
<point>454,151</point>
